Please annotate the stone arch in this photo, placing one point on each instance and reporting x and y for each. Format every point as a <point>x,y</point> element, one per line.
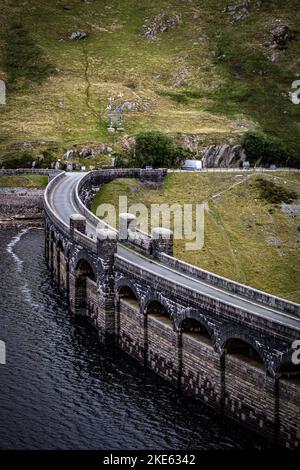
<point>83,270</point>
<point>83,255</point>
<point>125,283</point>
<point>156,305</point>
<point>157,308</point>
<point>128,293</point>
<point>202,319</point>
<point>198,328</point>
<point>237,334</point>
<point>86,266</point>
<point>155,296</point>
<point>244,347</point>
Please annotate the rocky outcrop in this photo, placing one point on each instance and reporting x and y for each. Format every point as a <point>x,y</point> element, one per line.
<point>128,106</point>
<point>21,207</point>
<point>281,36</point>
<point>241,11</point>
<point>291,209</point>
<point>87,152</point>
<point>238,12</point>
<point>131,106</point>
<point>181,78</point>
<point>191,142</point>
<point>127,143</point>
<point>223,156</point>
<point>160,24</point>
<point>77,36</point>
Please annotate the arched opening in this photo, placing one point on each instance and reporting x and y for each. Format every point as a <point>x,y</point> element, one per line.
<point>290,372</point>
<point>158,311</point>
<point>84,272</point>
<point>127,294</point>
<point>243,351</point>
<point>196,330</point>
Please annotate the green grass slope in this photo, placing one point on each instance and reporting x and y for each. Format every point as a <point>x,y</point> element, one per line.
<point>24,181</point>
<point>59,95</point>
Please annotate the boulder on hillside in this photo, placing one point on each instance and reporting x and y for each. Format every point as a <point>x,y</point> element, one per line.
<point>181,78</point>
<point>281,36</point>
<point>87,152</point>
<point>160,24</point>
<point>77,36</point>
<point>238,12</point>
<point>131,106</point>
<point>128,106</point>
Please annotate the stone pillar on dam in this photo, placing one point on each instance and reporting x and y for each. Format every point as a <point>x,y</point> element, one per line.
<point>77,277</point>
<point>106,249</point>
<point>77,222</point>
<point>162,241</point>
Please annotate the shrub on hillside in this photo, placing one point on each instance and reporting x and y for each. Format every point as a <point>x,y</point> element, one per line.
<point>157,149</point>
<point>19,161</point>
<point>46,159</point>
<point>274,193</point>
<point>260,148</point>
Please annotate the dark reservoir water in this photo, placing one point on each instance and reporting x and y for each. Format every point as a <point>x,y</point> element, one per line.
<point>61,389</point>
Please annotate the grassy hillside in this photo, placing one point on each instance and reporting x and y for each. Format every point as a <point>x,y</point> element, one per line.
<point>24,181</point>
<point>247,237</point>
<point>227,84</point>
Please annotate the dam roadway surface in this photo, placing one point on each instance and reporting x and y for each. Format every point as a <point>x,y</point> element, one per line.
<point>63,204</point>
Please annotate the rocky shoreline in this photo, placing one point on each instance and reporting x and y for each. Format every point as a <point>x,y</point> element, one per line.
<point>21,207</point>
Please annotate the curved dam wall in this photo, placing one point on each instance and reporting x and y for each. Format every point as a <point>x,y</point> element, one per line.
<point>233,361</point>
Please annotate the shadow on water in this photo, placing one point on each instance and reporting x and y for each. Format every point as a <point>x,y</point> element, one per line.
<point>61,389</point>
